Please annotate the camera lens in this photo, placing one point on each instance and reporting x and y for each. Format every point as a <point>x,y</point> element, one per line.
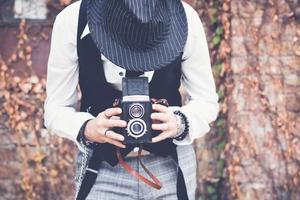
<point>136,110</point>
<point>136,128</point>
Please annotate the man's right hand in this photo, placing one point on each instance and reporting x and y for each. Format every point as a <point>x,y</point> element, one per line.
<point>99,129</point>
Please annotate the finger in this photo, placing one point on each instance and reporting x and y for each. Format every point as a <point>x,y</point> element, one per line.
<point>110,123</point>
<point>115,117</point>
<point>160,116</point>
<point>100,115</point>
<point>160,127</point>
<point>160,137</point>
<point>113,135</point>
<point>115,142</point>
<point>160,108</point>
<point>112,111</point>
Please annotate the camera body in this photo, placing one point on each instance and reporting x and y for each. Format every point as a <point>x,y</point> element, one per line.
<point>136,110</point>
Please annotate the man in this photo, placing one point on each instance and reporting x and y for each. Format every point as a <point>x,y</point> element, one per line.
<point>96,43</point>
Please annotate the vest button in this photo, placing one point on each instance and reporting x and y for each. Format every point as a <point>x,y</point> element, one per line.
<point>135,149</point>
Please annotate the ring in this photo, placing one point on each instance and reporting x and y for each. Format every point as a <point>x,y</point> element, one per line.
<point>106,131</point>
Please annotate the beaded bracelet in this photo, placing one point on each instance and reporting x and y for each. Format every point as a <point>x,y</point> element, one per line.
<point>184,121</point>
<point>81,138</point>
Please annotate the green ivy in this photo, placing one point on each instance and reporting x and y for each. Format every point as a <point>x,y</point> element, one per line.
<point>211,190</point>
<point>219,31</point>
<point>220,123</point>
<point>216,40</point>
<point>214,11</point>
<point>221,145</point>
<point>220,167</point>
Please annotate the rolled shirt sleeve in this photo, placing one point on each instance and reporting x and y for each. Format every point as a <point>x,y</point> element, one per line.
<point>60,115</point>
<point>197,80</point>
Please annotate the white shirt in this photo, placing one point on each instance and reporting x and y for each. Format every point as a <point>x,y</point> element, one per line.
<point>61,116</point>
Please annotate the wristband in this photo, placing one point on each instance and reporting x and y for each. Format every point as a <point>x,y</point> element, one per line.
<point>184,129</point>
<point>81,138</point>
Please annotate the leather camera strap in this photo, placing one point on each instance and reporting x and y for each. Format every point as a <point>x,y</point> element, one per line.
<point>155,183</point>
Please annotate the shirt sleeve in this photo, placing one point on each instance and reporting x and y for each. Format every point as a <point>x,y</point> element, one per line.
<point>60,115</point>
<point>198,82</point>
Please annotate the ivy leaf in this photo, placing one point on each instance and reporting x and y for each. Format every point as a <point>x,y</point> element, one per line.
<point>216,40</point>
<point>39,156</point>
<point>34,79</point>
<point>53,173</point>
<point>220,122</point>
<point>220,164</point>
<point>219,31</point>
<point>214,20</point>
<point>220,93</point>
<point>211,190</point>
<point>218,68</point>
<point>221,132</point>
<point>221,145</point>
<point>65,2</point>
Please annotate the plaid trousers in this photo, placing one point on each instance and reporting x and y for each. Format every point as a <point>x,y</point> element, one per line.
<point>114,183</point>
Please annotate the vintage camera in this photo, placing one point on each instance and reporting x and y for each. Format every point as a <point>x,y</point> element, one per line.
<point>136,110</point>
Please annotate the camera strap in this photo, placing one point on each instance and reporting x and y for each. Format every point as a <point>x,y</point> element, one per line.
<point>155,183</point>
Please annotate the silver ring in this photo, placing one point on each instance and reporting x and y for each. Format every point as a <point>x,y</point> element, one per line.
<point>105,133</point>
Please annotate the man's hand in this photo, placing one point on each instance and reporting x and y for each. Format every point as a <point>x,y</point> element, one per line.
<point>99,129</point>
<point>167,125</point>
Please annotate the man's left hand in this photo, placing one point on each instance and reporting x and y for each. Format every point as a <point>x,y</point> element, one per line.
<point>167,125</point>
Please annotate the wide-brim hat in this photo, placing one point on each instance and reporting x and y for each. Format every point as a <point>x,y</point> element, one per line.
<point>138,35</point>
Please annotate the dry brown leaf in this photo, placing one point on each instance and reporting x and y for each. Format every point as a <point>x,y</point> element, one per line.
<point>25,87</point>
<point>53,173</point>
<point>65,2</point>
<point>34,79</point>
<point>39,156</point>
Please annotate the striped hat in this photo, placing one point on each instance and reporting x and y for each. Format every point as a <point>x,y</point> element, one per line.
<point>138,35</point>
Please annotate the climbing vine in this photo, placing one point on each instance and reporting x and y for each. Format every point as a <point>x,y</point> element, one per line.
<point>44,160</point>
<point>47,162</point>
<point>218,32</point>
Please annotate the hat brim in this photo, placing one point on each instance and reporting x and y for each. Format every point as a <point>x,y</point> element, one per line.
<point>123,56</point>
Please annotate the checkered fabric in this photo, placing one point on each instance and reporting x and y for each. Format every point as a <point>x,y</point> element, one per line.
<point>114,183</point>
